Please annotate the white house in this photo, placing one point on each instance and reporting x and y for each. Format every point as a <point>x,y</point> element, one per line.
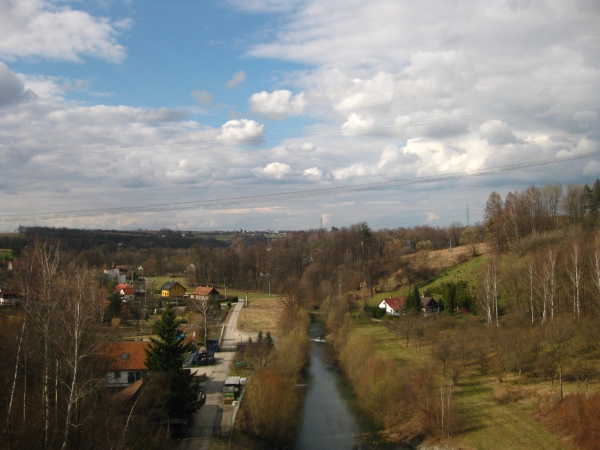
<point>393,306</point>
<point>125,363</point>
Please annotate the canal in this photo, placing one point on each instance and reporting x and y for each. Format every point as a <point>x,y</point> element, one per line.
<point>331,418</point>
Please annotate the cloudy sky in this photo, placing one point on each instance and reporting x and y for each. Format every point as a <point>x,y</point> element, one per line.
<point>148,105</point>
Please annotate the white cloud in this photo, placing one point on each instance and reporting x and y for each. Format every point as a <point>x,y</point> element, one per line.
<point>277,104</point>
<point>357,124</point>
<point>242,130</point>
<point>304,147</point>
<point>236,79</point>
<point>432,217</point>
<point>272,170</point>
<point>203,97</point>
<point>39,28</point>
<point>313,172</point>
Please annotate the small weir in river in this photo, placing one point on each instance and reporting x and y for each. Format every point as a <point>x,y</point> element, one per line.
<point>331,418</point>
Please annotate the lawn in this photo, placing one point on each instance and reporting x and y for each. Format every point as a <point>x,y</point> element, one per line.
<point>260,315</point>
<point>467,271</point>
<point>488,424</point>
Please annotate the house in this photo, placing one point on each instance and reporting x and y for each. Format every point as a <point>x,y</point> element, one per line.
<point>205,293</point>
<point>393,306</point>
<point>125,363</point>
<point>430,306</point>
<point>172,289</point>
<point>8,297</point>
<point>125,292</point>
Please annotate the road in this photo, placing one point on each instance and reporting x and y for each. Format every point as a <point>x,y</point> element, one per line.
<point>213,413</point>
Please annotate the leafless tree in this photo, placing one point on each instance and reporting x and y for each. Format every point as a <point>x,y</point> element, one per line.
<point>575,271</point>
<point>487,292</point>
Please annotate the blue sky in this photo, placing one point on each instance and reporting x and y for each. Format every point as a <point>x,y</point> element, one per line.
<point>199,101</point>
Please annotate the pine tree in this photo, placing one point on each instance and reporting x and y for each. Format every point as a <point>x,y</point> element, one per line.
<point>165,357</point>
<point>413,302</point>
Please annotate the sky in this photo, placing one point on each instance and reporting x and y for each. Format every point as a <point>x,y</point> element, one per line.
<point>227,114</point>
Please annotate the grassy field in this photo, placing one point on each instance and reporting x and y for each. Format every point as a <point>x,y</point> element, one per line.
<point>488,424</point>
<point>467,271</point>
<point>5,254</point>
<point>261,315</point>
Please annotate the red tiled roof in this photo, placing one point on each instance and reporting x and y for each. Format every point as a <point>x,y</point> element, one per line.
<point>204,290</point>
<point>396,303</point>
<point>128,290</point>
<point>120,286</point>
<point>126,355</point>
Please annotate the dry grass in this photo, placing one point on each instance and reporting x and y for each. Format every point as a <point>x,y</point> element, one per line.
<point>261,314</point>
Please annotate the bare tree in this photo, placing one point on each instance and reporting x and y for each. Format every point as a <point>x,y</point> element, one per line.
<point>487,292</point>
<point>575,271</point>
<point>558,336</point>
<point>76,315</point>
<point>41,287</point>
<point>204,308</point>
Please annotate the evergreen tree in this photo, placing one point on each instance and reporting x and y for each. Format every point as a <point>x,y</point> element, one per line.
<point>114,307</point>
<point>413,302</point>
<point>165,357</point>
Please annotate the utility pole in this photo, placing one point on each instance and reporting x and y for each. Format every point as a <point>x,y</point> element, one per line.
<point>450,245</point>
<point>468,215</point>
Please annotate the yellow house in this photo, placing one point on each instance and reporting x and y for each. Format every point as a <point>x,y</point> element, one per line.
<point>172,289</point>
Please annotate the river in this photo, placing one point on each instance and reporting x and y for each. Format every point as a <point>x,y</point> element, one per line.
<point>331,418</point>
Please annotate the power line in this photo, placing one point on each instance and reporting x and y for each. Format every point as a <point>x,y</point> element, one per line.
<point>303,194</point>
<point>324,132</point>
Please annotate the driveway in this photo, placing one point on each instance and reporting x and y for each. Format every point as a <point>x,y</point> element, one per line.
<point>213,413</point>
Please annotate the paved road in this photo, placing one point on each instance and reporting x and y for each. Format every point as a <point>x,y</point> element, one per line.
<point>214,413</point>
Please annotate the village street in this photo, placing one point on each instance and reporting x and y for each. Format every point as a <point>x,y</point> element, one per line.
<point>213,415</point>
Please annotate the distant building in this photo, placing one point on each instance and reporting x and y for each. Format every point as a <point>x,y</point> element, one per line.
<point>172,289</point>
<point>8,297</point>
<point>430,306</point>
<point>125,362</point>
<point>393,306</point>
<point>125,292</point>
<point>205,293</point>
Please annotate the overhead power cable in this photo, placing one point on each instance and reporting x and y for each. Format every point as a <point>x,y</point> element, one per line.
<point>303,194</point>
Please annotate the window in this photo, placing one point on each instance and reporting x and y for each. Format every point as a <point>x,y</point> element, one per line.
<point>117,375</point>
<point>125,356</point>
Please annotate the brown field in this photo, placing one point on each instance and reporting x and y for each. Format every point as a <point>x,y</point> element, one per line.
<point>261,315</point>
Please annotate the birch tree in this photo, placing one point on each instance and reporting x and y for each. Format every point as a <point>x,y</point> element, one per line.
<point>575,271</point>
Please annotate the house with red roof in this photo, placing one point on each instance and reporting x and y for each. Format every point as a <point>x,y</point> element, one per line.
<point>125,362</point>
<point>393,306</point>
<point>205,293</point>
<point>125,292</point>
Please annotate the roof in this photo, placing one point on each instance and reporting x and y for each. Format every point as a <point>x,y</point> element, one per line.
<point>169,285</point>
<point>428,301</point>
<point>120,286</point>
<point>396,303</point>
<point>128,290</point>
<point>8,292</point>
<point>126,355</point>
<point>205,290</point>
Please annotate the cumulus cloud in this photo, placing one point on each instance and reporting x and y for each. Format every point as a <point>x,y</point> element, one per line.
<point>277,104</point>
<point>40,28</point>
<point>275,170</point>
<point>204,98</point>
<point>12,89</point>
<point>497,132</point>
<point>313,172</point>
<point>242,130</point>
<point>357,124</point>
<point>238,77</point>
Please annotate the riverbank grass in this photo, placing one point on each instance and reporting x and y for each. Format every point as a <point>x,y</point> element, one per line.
<point>487,423</point>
